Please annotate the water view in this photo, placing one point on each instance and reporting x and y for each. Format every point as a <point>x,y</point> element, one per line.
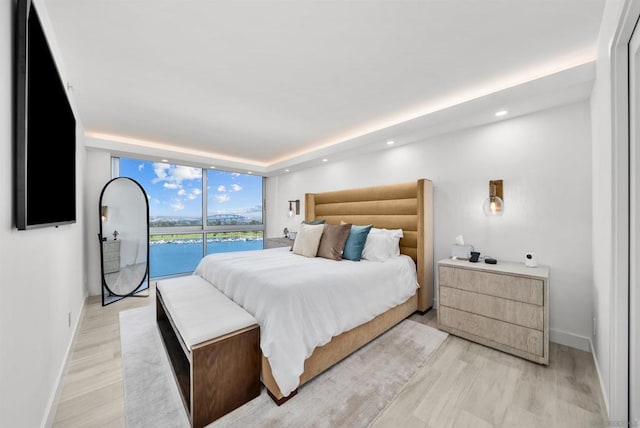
<point>171,256</point>
<point>176,194</point>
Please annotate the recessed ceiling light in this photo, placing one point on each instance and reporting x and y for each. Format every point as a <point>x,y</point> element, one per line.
<point>212,167</point>
<point>165,160</point>
<point>390,143</point>
<point>249,172</point>
<point>501,113</point>
<point>325,160</point>
<point>286,170</point>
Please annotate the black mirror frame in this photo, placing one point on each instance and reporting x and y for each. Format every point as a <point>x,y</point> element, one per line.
<point>144,283</point>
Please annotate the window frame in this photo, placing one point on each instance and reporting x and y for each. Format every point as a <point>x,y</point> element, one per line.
<point>204,229</point>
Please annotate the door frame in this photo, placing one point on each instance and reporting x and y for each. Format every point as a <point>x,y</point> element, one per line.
<point>634,226</point>
<point>619,297</point>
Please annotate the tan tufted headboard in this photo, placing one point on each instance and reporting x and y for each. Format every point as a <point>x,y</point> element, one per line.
<point>406,206</point>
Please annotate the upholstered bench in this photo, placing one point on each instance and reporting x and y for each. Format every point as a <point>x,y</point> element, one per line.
<point>213,346</point>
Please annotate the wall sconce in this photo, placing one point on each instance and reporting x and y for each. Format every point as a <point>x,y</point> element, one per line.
<point>293,212</point>
<point>104,212</point>
<point>494,204</point>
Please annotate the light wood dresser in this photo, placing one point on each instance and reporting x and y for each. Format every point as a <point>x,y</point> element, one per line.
<point>111,256</point>
<point>504,306</point>
<point>278,242</point>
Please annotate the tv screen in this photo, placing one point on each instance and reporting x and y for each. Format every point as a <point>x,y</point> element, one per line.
<point>45,131</point>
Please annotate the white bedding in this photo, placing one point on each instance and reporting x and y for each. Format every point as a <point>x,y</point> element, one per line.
<point>302,302</point>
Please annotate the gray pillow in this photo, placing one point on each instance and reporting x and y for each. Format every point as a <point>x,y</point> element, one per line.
<point>332,242</point>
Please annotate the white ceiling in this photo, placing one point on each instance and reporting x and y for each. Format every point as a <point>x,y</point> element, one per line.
<point>268,85</point>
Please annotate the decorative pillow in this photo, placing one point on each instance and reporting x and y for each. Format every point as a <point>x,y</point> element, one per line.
<point>378,248</point>
<point>313,222</point>
<point>334,238</point>
<point>382,244</point>
<point>355,242</point>
<point>308,240</point>
<point>391,232</point>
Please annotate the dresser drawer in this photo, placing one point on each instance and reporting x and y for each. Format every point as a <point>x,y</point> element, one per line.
<point>110,257</point>
<point>111,266</point>
<point>528,290</point>
<point>524,314</point>
<point>511,335</point>
<point>110,247</point>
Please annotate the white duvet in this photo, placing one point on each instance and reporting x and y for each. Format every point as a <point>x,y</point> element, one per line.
<point>302,302</point>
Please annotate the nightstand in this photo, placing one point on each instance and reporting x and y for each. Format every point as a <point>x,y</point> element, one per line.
<point>504,306</point>
<point>278,242</point>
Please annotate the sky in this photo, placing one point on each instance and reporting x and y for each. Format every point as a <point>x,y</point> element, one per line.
<point>177,190</point>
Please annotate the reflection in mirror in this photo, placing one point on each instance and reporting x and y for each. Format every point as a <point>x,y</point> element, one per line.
<point>124,239</point>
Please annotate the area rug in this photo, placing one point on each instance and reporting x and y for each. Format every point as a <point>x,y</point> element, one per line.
<point>351,393</point>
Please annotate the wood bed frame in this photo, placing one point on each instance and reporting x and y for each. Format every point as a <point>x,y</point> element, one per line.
<point>406,206</point>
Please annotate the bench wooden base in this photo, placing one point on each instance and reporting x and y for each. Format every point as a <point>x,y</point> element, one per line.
<point>218,375</point>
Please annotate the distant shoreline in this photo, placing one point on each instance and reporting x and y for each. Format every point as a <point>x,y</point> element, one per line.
<point>194,241</point>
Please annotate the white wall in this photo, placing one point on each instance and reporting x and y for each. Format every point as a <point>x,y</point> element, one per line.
<point>99,163</point>
<point>545,161</point>
<point>41,278</point>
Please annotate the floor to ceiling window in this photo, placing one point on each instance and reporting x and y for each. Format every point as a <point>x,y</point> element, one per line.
<point>195,211</point>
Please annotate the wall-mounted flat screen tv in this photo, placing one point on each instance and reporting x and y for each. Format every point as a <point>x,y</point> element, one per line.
<point>45,130</point>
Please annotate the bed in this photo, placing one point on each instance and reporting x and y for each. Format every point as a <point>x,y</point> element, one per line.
<point>305,298</point>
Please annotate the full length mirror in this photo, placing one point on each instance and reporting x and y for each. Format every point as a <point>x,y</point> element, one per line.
<point>124,239</point>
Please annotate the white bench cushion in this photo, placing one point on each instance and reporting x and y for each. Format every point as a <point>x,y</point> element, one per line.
<point>200,311</point>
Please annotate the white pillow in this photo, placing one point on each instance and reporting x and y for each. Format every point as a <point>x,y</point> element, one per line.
<point>308,240</point>
<point>391,232</point>
<point>396,234</point>
<point>382,244</point>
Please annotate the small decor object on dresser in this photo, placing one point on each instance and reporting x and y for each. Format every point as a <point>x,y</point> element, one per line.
<point>504,306</point>
<point>461,251</point>
<point>531,260</point>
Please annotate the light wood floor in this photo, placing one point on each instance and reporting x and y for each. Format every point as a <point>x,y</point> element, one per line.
<point>93,392</point>
<point>463,385</point>
<point>468,385</point>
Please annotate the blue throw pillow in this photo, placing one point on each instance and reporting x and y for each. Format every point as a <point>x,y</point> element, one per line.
<point>313,222</point>
<point>355,242</point>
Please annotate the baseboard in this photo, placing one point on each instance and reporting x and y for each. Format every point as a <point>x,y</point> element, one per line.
<point>52,405</point>
<point>570,339</point>
<point>605,397</point>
